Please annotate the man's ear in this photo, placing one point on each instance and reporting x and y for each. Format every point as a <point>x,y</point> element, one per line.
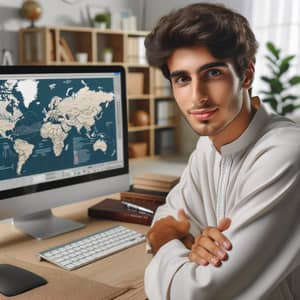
<point>249,76</point>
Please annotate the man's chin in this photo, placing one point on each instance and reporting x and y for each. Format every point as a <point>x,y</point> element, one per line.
<point>204,129</point>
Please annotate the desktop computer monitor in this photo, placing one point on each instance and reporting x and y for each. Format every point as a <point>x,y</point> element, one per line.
<point>63,139</point>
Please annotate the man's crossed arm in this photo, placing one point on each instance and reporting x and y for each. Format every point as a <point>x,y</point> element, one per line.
<point>209,247</point>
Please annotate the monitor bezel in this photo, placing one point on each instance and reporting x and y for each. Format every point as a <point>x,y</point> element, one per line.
<point>51,69</point>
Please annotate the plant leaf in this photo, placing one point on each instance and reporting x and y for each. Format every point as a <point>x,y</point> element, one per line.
<point>273,49</point>
<point>288,59</point>
<point>266,92</point>
<point>269,100</point>
<point>284,66</point>
<point>294,80</point>
<point>276,86</point>
<point>288,108</point>
<point>272,102</point>
<point>289,97</point>
<point>266,79</point>
<point>271,60</point>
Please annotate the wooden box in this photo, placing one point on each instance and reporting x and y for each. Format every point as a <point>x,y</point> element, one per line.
<point>135,83</point>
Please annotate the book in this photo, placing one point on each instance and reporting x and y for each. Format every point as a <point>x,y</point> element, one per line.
<point>150,187</point>
<point>63,54</point>
<point>146,198</point>
<point>65,50</point>
<point>50,38</point>
<point>152,193</point>
<point>114,209</point>
<point>165,112</point>
<point>149,204</point>
<point>136,51</point>
<point>165,141</point>
<point>155,177</point>
<point>153,184</point>
<point>142,194</point>
<point>161,85</point>
<point>155,181</point>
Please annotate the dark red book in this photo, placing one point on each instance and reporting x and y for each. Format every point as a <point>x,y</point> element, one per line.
<point>114,209</point>
<point>146,198</point>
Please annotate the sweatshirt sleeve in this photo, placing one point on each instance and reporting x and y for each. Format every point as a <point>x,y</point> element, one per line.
<point>265,234</point>
<point>187,191</point>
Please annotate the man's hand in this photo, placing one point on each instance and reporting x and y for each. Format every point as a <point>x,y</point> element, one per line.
<point>167,229</point>
<point>211,246</point>
<point>188,241</point>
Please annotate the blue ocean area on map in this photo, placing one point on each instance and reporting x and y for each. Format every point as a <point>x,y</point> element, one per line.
<point>53,124</point>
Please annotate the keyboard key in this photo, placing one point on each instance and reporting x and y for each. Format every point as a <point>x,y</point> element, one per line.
<point>88,249</point>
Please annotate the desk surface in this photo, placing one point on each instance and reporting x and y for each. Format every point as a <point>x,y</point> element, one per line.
<point>123,269</point>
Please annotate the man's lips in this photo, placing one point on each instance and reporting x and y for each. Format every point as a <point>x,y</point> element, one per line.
<point>203,114</point>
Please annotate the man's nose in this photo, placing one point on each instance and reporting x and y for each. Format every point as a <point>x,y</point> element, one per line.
<point>199,93</point>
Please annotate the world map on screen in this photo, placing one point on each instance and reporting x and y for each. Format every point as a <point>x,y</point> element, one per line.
<point>54,124</point>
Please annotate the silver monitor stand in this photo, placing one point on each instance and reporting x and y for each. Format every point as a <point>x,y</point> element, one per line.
<point>44,224</point>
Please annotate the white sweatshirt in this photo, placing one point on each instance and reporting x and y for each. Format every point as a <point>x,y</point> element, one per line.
<point>255,181</point>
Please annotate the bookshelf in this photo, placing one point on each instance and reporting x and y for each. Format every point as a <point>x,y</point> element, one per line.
<point>152,116</point>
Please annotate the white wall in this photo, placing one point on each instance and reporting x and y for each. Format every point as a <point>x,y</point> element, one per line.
<point>157,8</point>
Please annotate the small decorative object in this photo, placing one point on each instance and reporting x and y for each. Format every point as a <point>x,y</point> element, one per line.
<point>137,149</point>
<point>7,58</point>
<point>99,16</point>
<point>107,55</point>
<point>125,20</point>
<point>102,20</point>
<point>141,118</point>
<point>115,21</point>
<point>277,94</point>
<point>131,23</point>
<point>82,57</point>
<point>31,10</point>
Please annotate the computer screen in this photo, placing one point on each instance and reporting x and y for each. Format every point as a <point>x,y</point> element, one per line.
<point>63,138</point>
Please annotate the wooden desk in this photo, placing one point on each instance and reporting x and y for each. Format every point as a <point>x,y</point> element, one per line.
<point>123,269</point>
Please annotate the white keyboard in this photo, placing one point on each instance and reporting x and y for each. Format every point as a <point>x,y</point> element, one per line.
<point>78,253</point>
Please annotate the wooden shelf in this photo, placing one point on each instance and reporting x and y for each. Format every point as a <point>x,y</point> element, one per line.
<point>138,128</point>
<point>139,97</point>
<point>136,65</point>
<point>43,46</point>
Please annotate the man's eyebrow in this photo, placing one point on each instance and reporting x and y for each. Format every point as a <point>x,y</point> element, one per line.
<point>202,68</point>
<point>212,65</point>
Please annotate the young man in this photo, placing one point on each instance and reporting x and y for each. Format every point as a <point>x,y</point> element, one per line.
<point>230,229</point>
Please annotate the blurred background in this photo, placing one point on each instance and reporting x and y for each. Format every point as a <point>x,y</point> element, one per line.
<point>276,80</point>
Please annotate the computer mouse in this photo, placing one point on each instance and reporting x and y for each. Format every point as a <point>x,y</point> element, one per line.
<point>15,280</point>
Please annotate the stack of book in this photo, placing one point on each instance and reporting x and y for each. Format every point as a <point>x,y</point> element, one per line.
<point>165,141</point>
<point>165,112</point>
<point>136,52</point>
<point>155,182</point>
<point>135,206</point>
<point>145,198</point>
<point>139,203</point>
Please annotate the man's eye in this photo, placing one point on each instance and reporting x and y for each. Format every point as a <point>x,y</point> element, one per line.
<point>213,73</point>
<point>182,79</point>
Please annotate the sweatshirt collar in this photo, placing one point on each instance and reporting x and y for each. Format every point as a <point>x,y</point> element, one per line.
<point>251,133</point>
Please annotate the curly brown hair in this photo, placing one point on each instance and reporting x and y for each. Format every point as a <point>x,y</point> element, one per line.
<point>225,33</point>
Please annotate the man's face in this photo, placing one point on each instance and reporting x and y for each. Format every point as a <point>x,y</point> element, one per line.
<point>207,90</point>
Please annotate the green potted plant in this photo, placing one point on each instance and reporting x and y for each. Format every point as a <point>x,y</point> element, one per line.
<point>107,55</point>
<point>102,20</point>
<point>279,84</point>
